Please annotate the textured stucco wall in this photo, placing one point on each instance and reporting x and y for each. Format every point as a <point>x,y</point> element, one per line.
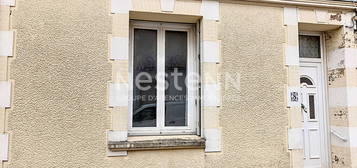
<point>61,69</point>
<point>59,113</point>
<point>254,120</point>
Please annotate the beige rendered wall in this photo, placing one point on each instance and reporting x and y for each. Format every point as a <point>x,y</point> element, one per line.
<point>59,113</point>
<point>60,116</point>
<point>254,119</point>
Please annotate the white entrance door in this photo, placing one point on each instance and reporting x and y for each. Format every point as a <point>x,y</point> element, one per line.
<point>312,111</point>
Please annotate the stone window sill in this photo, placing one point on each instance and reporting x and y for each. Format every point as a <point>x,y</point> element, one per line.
<point>158,143</point>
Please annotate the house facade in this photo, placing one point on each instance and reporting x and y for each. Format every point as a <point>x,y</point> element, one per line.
<point>178,83</point>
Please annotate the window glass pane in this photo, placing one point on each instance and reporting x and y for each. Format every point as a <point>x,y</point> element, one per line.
<point>144,83</point>
<point>309,46</point>
<point>312,106</point>
<point>305,80</point>
<point>176,70</point>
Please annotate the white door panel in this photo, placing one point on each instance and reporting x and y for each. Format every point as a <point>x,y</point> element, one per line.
<point>314,140</point>
<point>312,109</point>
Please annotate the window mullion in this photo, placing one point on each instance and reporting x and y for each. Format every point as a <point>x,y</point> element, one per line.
<point>161,80</point>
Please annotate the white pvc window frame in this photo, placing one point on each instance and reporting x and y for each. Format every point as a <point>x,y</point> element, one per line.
<point>192,85</point>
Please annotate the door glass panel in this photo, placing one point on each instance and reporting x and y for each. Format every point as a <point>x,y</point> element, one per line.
<point>305,80</point>
<point>144,83</point>
<point>312,106</point>
<point>309,46</point>
<point>176,70</point>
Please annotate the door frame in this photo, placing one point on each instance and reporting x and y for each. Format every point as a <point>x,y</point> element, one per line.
<point>324,117</point>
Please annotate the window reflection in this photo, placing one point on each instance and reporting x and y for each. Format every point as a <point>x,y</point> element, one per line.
<point>176,71</point>
<point>144,69</point>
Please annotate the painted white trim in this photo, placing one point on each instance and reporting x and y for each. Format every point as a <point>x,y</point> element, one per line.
<point>118,94</point>
<point>352,136</point>
<point>5,94</point>
<point>338,97</point>
<point>295,137</point>
<point>7,2</point>
<point>325,117</point>
<point>350,133</point>
<point>291,55</point>
<point>211,51</point>
<point>343,97</point>
<point>211,95</point>
<point>351,96</point>
<point>350,57</point>
<point>6,43</point>
<point>336,59</point>
<point>121,6</point>
<point>290,16</point>
<point>167,5</point>
<point>119,49</point>
<point>213,140</point>
<point>321,15</point>
<point>210,9</point>
<point>4,147</point>
<point>293,91</point>
<point>117,135</point>
<point>306,3</point>
<point>119,153</point>
<point>342,58</point>
<point>334,132</point>
<point>347,19</point>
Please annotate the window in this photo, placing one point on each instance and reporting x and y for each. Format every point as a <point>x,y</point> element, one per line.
<point>164,77</point>
<point>309,46</point>
<point>312,106</point>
